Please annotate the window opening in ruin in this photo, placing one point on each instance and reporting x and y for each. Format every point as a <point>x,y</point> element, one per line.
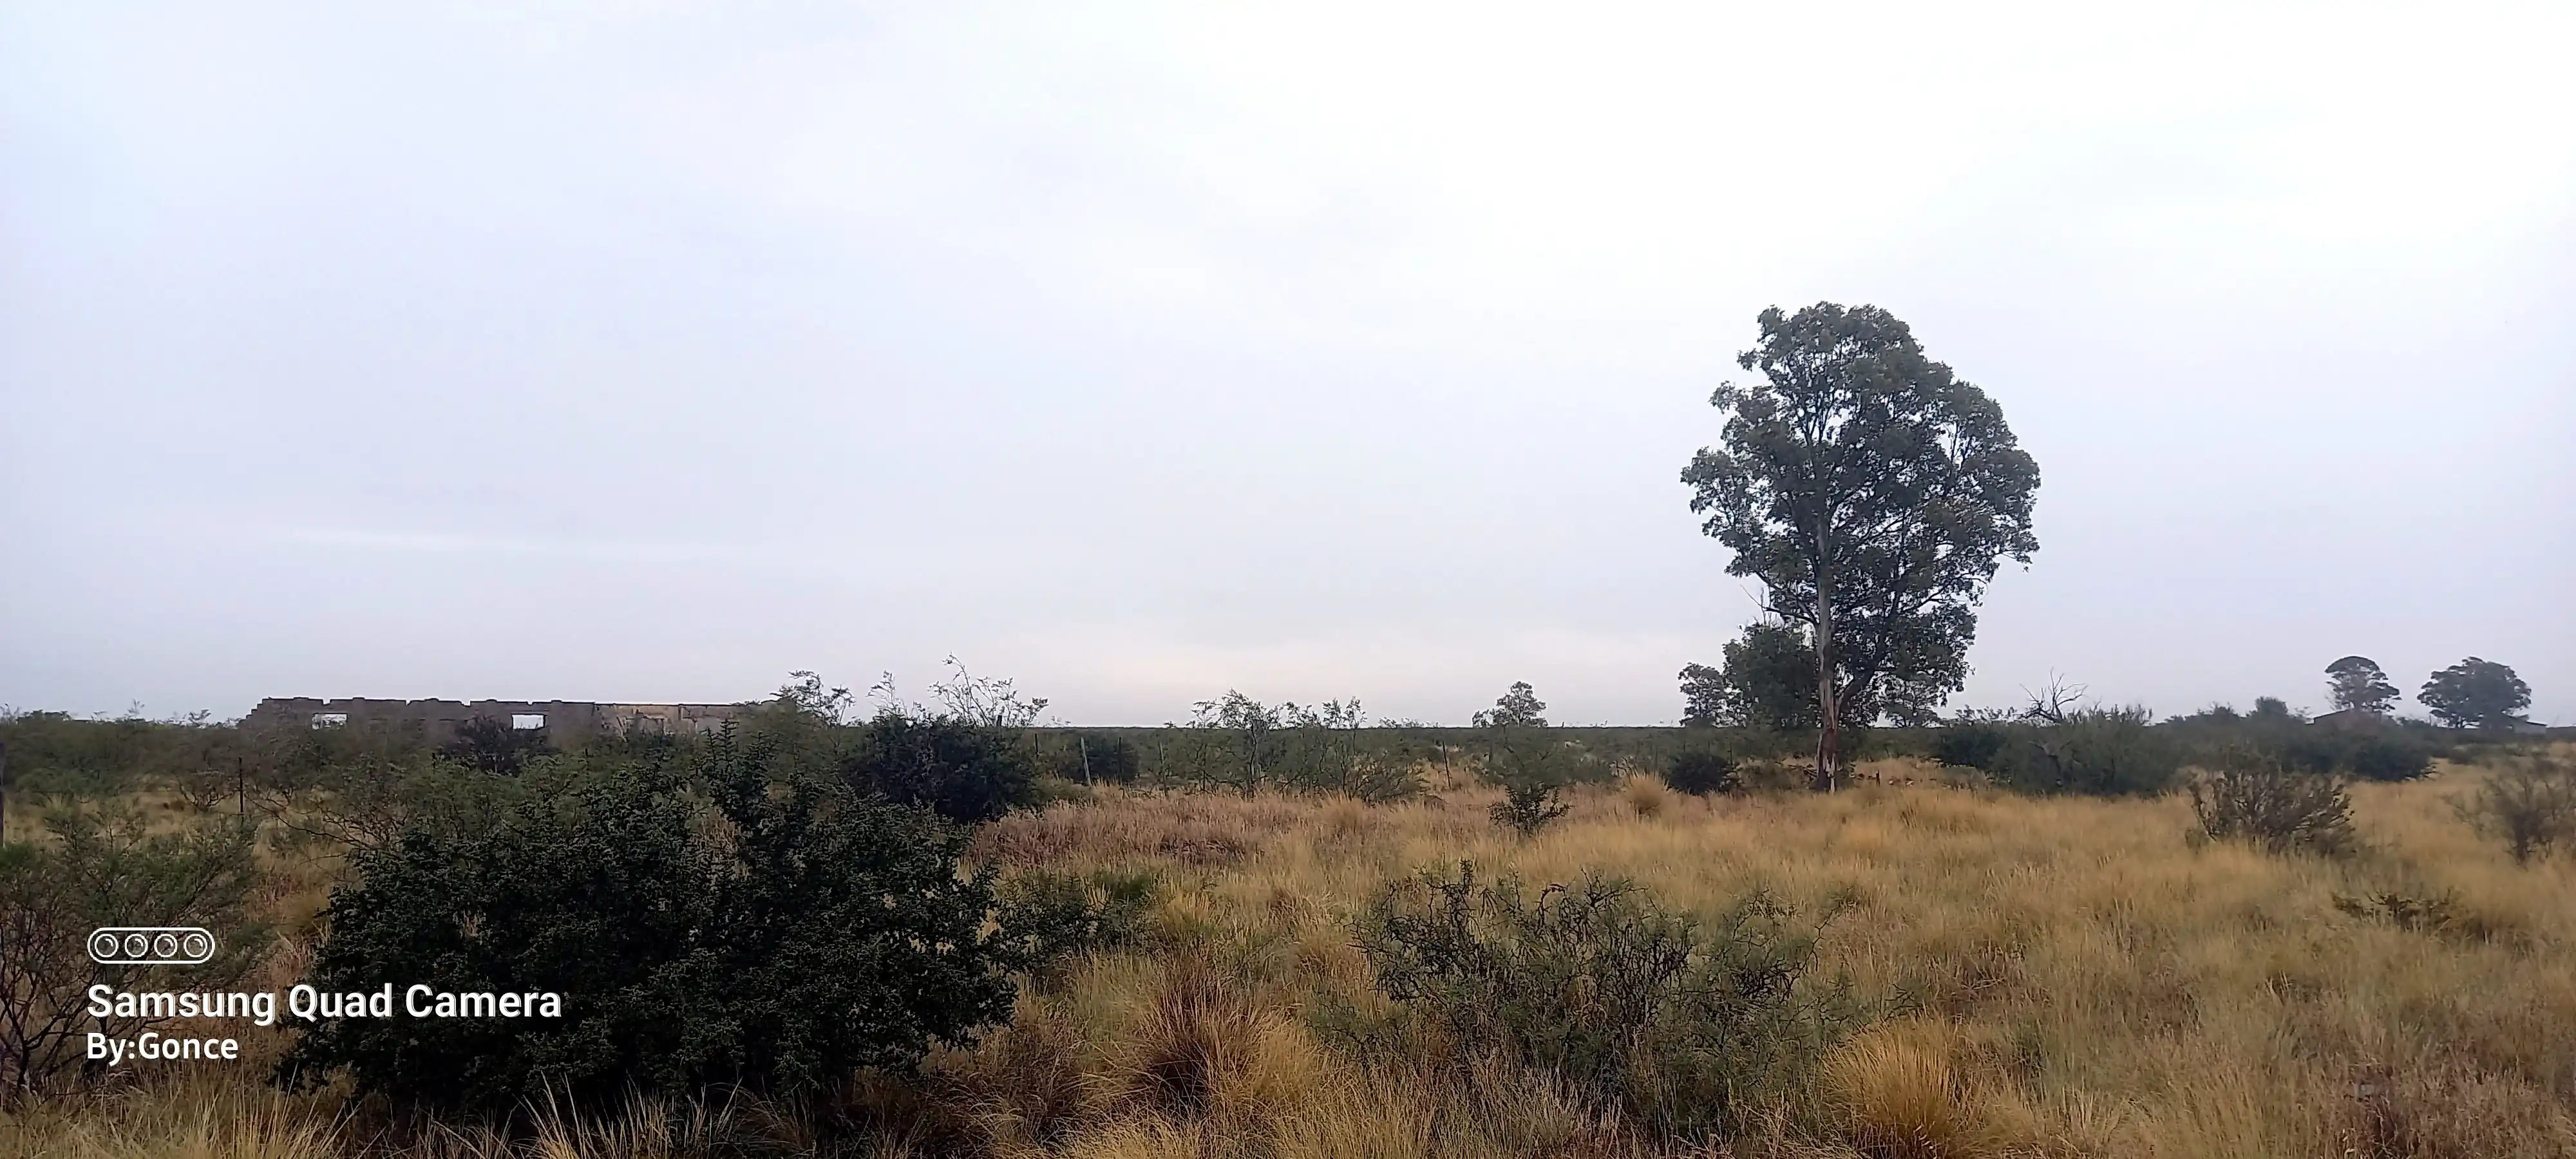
<point>330,719</point>
<point>528,720</point>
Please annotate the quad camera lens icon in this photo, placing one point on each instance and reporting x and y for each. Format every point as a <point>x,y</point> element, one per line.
<point>150,945</point>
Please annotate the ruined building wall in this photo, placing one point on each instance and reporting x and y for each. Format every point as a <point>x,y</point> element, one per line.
<point>438,720</point>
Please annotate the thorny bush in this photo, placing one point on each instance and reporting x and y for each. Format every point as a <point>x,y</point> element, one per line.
<point>1690,1028</point>
<point>2278,808</point>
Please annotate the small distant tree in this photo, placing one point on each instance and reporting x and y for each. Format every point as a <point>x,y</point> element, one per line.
<point>983,701</point>
<point>1246,739</point>
<point>1518,708</point>
<point>1531,765</point>
<point>2356,684</point>
<point>1874,494</point>
<point>2273,710</point>
<point>805,694</point>
<point>2475,693</point>
<point>1768,682</point>
<point>1704,699</point>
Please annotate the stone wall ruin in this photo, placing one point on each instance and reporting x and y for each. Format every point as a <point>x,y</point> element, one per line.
<point>438,721</point>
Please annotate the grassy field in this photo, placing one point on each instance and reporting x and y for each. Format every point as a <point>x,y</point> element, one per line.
<point>2058,976</point>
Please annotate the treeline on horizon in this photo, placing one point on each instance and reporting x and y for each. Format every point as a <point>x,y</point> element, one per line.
<point>981,747</point>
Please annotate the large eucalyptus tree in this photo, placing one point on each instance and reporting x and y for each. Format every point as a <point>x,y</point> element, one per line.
<point>1874,494</point>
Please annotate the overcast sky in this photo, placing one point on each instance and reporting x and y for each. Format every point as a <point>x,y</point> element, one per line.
<point>650,351</point>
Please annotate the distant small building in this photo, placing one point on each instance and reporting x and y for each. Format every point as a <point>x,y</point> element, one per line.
<point>2525,726</point>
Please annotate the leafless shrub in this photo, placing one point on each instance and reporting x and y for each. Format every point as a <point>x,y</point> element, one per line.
<point>2528,802</point>
<point>2257,799</point>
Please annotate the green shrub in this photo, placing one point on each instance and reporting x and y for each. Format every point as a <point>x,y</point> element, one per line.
<point>373,804</point>
<point>1325,749</point>
<point>1970,744</point>
<point>1529,807</point>
<point>1703,773</point>
<point>2101,751</point>
<point>2526,801</point>
<point>1054,915</point>
<point>107,869</point>
<point>1518,754</point>
<point>798,934</point>
<point>2308,750</point>
<point>962,769</point>
<point>2279,808</point>
<point>2380,758</point>
<point>1694,1029</point>
<point>2394,752</point>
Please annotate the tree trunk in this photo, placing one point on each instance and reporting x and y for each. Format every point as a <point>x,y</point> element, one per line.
<point>1829,737</point>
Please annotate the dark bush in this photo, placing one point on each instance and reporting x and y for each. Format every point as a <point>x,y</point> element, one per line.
<point>2279,808</point>
<point>1693,1029</point>
<point>807,933</point>
<point>493,746</point>
<point>963,770</point>
<point>1970,744</point>
<point>2102,751</point>
<point>2306,750</point>
<point>2378,758</point>
<point>1703,773</point>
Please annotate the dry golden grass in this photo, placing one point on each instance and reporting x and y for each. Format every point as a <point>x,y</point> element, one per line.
<point>2075,978</point>
<point>1647,796</point>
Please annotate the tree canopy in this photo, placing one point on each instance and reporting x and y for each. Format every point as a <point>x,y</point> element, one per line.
<point>1874,494</point>
<point>1768,682</point>
<point>2475,693</point>
<point>1519,707</point>
<point>2356,684</point>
